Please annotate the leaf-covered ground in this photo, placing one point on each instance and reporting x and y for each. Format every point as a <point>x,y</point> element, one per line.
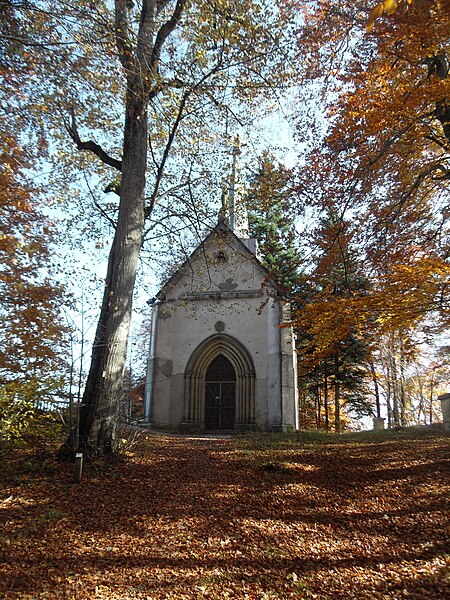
<point>249,517</point>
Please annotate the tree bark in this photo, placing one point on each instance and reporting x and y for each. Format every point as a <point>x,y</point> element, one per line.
<point>376,389</point>
<point>99,416</point>
<point>403,398</point>
<point>433,374</point>
<point>318,402</point>
<point>337,394</point>
<point>325,394</point>
<point>394,383</point>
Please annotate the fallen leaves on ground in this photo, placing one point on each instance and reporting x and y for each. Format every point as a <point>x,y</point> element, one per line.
<point>251,517</point>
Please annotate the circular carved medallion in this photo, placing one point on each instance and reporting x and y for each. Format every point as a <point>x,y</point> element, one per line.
<point>219,326</point>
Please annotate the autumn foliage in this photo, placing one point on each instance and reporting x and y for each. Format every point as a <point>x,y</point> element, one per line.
<point>383,163</point>
<point>28,299</point>
<point>31,330</point>
<point>370,194</point>
<point>374,189</point>
<point>264,517</point>
<point>31,333</point>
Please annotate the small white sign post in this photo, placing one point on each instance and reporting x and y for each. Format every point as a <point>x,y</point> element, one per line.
<point>78,467</point>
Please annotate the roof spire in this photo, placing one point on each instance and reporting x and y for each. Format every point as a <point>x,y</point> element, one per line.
<point>238,217</point>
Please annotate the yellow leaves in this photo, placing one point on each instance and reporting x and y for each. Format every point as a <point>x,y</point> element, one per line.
<point>401,298</point>
<point>388,7</point>
<point>201,57</point>
<point>376,13</point>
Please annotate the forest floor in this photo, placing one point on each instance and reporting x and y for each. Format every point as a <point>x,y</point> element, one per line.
<point>255,516</point>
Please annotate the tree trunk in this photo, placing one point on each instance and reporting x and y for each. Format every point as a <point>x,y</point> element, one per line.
<point>377,391</point>
<point>403,398</point>
<point>421,409</point>
<point>325,395</point>
<point>318,403</point>
<point>388,395</point>
<point>394,383</point>
<point>337,399</point>
<point>431,395</point>
<point>99,417</point>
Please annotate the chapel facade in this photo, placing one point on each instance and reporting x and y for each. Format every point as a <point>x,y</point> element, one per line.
<point>222,354</point>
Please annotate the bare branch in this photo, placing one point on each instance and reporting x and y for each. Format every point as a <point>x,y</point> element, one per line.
<point>173,131</point>
<point>439,142</point>
<point>436,172</point>
<point>29,42</point>
<point>226,108</point>
<point>91,146</point>
<point>98,207</point>
<point>164,32</point>
<point>162,164</point>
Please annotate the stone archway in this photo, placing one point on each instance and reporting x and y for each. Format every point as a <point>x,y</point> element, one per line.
<point>195,381</point>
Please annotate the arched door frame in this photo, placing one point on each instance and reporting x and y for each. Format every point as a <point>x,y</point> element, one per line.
<point>194,390</point>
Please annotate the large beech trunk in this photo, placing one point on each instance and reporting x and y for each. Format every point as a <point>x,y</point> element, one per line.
<point>99,416</point>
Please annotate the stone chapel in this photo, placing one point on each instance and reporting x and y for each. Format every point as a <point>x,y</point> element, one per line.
<point>219,356</point>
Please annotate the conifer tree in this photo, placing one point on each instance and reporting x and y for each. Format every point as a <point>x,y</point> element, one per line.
<point>271,202</point>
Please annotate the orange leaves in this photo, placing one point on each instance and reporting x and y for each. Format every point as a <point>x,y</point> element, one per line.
<point>30,331</point>
<point>400,299</point>
<point>326,323</point>
<point>261,516</point>
<point>384,162</point>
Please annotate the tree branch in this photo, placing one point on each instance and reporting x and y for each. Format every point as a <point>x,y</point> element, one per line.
<point>146,30</point>
<point>160,5</point>
<point>98,207</point>
<point>164,32</point>
<point>436,172</point>
<point>91,146</point>
<point>162,164</point>
<point>442,114</point>
<point>29,42</point>
<point>122,39</point>
<point>172,134</point>
<point>164,85</point>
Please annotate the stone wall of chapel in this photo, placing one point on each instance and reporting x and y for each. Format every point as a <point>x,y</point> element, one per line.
<point>218,267</point>
<point>253,325</point>
<point>224,290</point>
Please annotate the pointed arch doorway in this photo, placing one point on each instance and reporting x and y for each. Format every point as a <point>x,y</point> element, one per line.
<point>220,386</point>
<point>220,394</point>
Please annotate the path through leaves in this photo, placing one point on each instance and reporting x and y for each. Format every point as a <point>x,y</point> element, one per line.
<point>256,517</point>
